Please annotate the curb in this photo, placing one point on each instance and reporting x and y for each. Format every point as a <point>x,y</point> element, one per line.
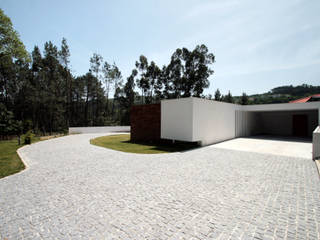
<point>20,155</point>
<point>318,165</point>
<point>24,157</point>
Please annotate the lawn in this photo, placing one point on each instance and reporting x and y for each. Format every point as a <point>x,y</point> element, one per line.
<point>10,162</point>
<point>122,143</point>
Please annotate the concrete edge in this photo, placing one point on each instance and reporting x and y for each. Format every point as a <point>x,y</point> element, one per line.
<point>23,158</point>
<point>318,165</point>
<point>26,167</point>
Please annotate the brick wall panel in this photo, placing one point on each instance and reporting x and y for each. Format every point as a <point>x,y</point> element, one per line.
<point>145,122</point>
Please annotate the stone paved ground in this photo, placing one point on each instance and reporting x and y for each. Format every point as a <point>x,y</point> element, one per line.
<point>74,190</point>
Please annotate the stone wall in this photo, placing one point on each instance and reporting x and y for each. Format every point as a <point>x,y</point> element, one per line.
<point>145,122</point>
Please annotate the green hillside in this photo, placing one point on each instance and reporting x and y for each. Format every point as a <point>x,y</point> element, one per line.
<point>282,94</point>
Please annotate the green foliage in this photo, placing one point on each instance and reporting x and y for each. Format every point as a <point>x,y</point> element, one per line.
<point>282,94</point>
<point>122,143</point>
<point>44,96</point>
<point>8,125</point>
<point>10,43</point>
<point>244,99</point>
<point>297,91</point>
<point>64,53</point>
<point>217,95</point>
<point>47,98</point>
<point>142,81</point>
<point>10,162</point>
<point>228,98</point>
<point>153,77</point>
<point>95,64</point>
<point>188,72</point>
<point>28,137</point>
<point>126,97</point>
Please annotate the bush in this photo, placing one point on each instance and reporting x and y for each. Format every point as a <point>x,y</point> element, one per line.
<point>66,132</point>
<point>27,125</point>
<point>28,137</point>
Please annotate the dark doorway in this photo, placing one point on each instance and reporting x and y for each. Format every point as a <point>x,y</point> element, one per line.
<point>300,125</point>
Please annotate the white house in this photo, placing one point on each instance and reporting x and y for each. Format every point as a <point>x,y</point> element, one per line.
<point>207,121</point>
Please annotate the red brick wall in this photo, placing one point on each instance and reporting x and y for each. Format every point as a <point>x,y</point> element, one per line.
<point>145,122</point>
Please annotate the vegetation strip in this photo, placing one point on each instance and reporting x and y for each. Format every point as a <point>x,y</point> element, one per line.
<point>122,143</point>
<point>10,162</point>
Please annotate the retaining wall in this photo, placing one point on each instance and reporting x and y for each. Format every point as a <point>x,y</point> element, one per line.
<point>73,130</point>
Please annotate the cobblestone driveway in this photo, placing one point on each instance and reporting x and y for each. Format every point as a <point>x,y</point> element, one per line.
<point>74,190</point>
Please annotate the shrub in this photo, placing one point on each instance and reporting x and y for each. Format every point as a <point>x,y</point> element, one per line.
<point>27,125</point>
<point>28,137</point>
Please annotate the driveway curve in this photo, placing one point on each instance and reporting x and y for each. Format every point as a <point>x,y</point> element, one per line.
<point>74,190</point>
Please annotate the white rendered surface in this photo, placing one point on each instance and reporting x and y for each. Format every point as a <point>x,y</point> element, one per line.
<point>213,121</point>
<point>289,147</point>
<point>282,107</point>
<point>316,143</point>
<point>208,121</point>
<point>73,130</point>
<point>177,119</point>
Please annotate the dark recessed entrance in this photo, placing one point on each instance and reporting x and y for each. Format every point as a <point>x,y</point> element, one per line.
<point>300,125</point>
<point>285,123</point>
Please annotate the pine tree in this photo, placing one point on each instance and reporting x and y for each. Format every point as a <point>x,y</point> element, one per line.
<point>217,95</point>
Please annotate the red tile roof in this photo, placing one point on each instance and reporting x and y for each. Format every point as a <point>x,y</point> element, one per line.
<point>306,99</point>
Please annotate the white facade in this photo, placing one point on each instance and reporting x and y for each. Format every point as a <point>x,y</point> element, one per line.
<point>205,121</point>
<point>316,143</point>
<point>208,121</point>
<point>177,119</point>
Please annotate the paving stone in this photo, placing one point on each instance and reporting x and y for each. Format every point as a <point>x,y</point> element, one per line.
<point>74,190</point>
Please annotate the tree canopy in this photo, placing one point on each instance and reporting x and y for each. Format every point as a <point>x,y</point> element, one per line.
<point>39,91</point>
<point>10,43</point>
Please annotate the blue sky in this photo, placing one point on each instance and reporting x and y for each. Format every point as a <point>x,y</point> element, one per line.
<point>258,44</point>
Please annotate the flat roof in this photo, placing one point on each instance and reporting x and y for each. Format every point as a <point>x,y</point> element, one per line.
<point>282,106</point>
<point>263,107</point>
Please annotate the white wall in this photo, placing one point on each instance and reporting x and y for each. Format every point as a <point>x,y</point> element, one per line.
<point>196,120</point>
<point>247,123</point>
<point>316,144</point>
<point>207,121</point>
<point>73,130</point>
<point>282,107</point>
<point>177,119</point>
<point>213,121</point>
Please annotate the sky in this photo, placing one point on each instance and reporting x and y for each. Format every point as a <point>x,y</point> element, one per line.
<point>258,45</point>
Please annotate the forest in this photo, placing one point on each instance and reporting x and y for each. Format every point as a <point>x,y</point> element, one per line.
<point>39,92</point>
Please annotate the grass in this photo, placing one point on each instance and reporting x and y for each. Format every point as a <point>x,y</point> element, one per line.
<point>10,162</point>
<point>122,143</point>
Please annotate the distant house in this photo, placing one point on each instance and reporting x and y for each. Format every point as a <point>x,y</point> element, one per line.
<point>312,98</point>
